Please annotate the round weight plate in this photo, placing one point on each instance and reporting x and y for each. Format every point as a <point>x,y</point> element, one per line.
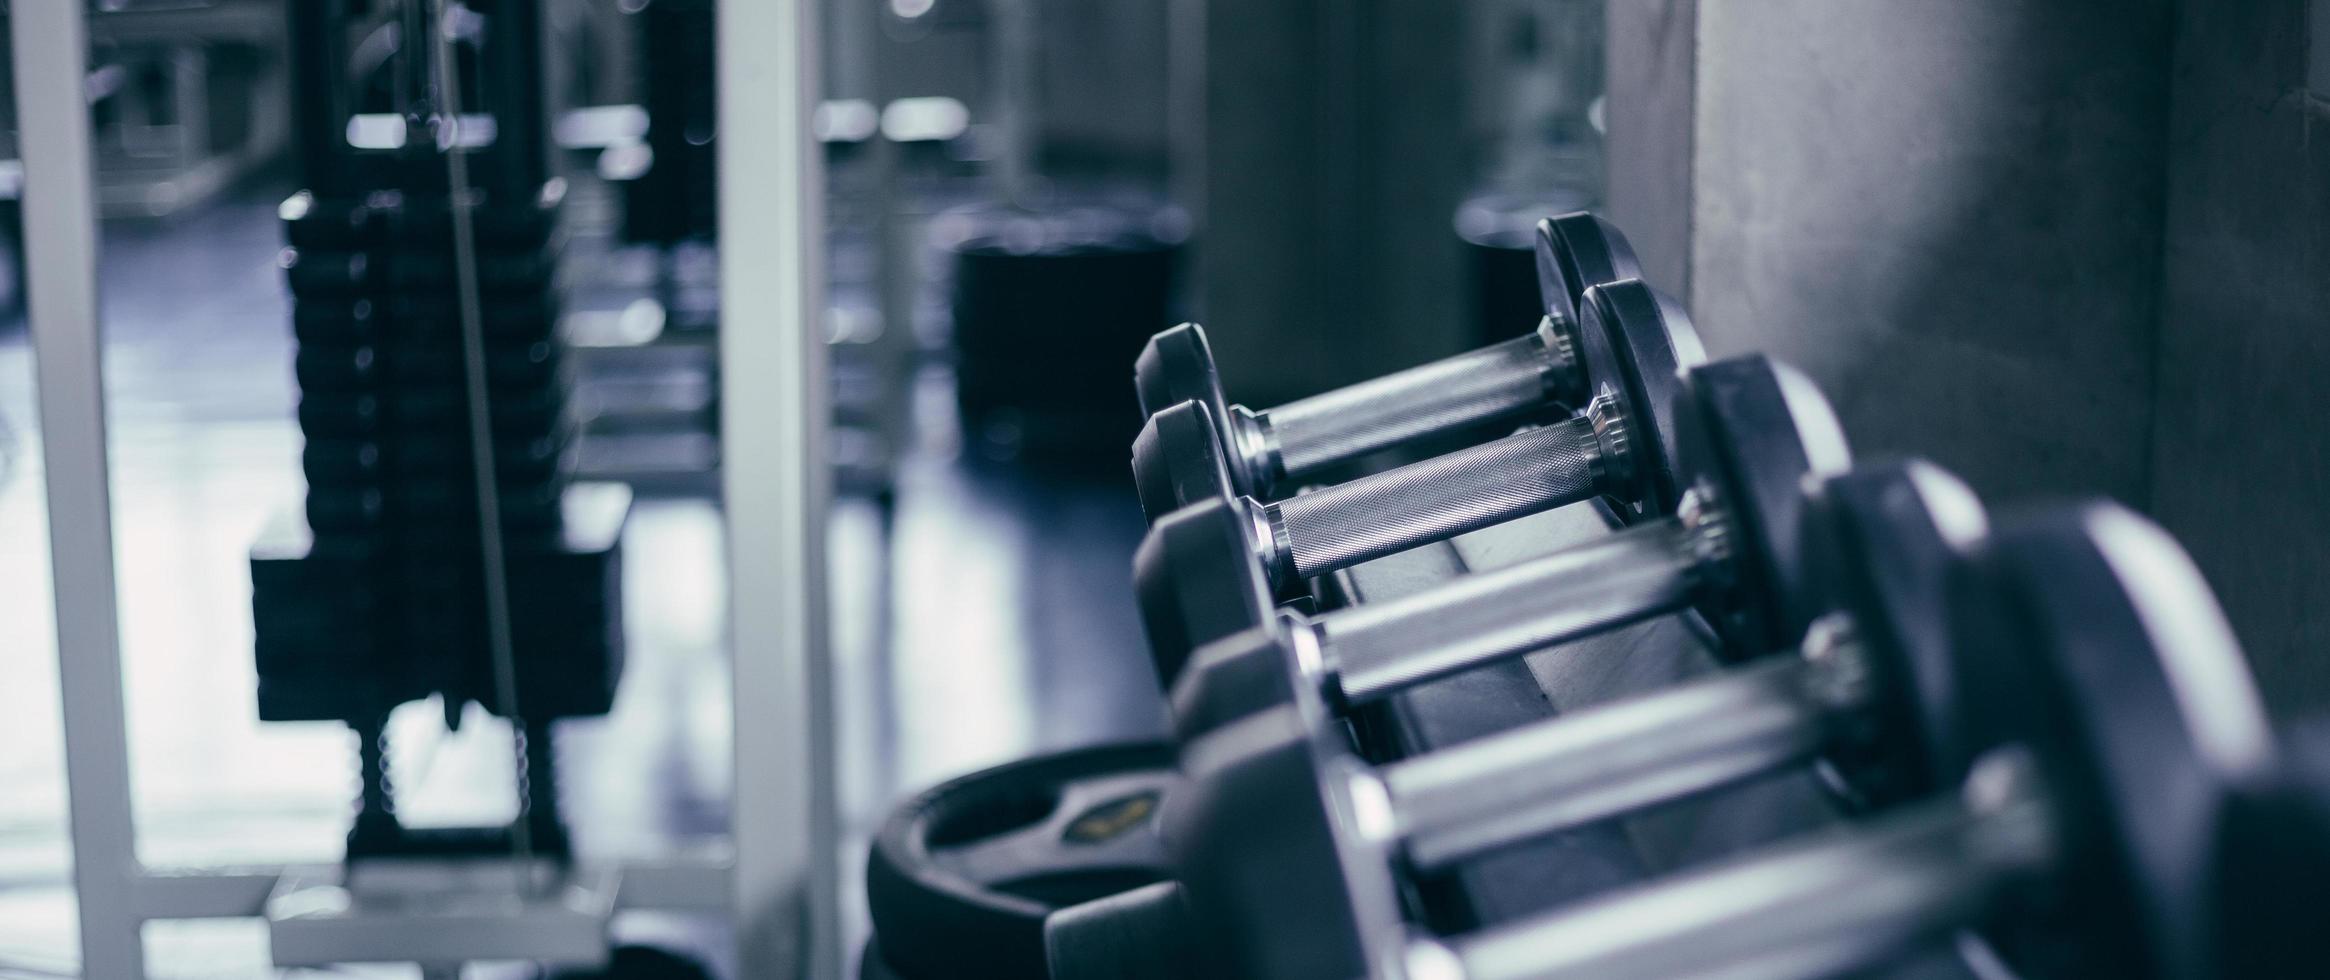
<point>960,878</point>
<point>2086,635</point>
<point>1278,867</point>
<point>1752,429</point>
<point>1177,460</point>
<point>1576,252</point>
<point>1635,346</point>
<point>1196,580</point>
<point>1887,537</point>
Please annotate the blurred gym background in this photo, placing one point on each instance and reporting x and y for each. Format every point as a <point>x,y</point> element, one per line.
<point>2060,248</point>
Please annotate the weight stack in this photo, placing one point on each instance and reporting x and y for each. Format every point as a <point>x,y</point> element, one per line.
<point>373,593</point>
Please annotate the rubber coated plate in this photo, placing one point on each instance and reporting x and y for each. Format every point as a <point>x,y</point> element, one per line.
<point>1177,460</point>
<point>961,877</point>
<point>1752,431</point>
<point>1888,536</point>
<point>1575,252</point>
<point>1635,346</point>
<point>2092,641</point>
<point>1196,580</point>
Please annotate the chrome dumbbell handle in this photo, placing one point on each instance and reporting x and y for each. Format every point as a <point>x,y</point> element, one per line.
<point>1302,437</point>
<point>1380,648</point>
<point>1819,908</point>
<point>1605,761</point>
<point>1374,516</point>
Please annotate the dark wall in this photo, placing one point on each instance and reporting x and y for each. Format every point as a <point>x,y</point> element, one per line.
<point>2241,463</point>
<point>2071,248</point>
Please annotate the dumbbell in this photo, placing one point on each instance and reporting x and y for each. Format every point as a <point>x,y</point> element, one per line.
<point>2102,715</point>
<point>1750,431</point>
<point>1622,448</point>
<point>1272,447</point>
<point>1868,682</point>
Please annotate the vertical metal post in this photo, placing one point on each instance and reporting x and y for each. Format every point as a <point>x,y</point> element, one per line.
<point>776,486</point>
<point>60,236</point>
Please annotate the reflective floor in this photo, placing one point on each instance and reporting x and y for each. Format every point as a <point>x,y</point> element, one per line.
<point>1005,626</point>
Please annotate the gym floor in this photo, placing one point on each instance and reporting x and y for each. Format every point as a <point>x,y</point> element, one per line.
<point>987,602</point>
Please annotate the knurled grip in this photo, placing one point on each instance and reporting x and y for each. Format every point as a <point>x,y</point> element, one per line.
<point>1436,499</point>
<point>1476,386</point>
<point>1379,648</point>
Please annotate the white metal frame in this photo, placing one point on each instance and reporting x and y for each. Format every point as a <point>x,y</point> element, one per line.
<point>780,883</point>
<point>777,484</point>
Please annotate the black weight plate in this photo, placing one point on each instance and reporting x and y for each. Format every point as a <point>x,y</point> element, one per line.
<point>1177,460</point>
<point>1753,430</point>
<point>342,367</point>
<point>1196,581</point>
<point>363,320</point>
<point>336,461</point>
<point>334,224</point>
<point>331,416</point>
<point>1576,252</point>
<point>2094,643</point>
<point>1635,346</point>
<point>1886,537</point>
<point>961,877</point>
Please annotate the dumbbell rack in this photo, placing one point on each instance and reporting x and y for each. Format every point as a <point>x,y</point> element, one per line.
<point>1650,656</point>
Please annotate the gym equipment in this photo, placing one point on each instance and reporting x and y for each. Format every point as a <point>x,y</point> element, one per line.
<point>962,879</point>
<point>1867,684</point>
<point>2104,715</point>
<point>1635,343</point>
<point>1265,452</point>
<point>1046,309</point>
<point>408,273</point>
<point>1751,431</point>
<point>2273,876</point>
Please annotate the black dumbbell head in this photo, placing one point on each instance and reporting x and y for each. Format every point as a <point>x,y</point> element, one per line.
<point>1177,459</point>
<point>1176,366</point>
<point>1279,838</point>
<point>2273,877</point>
<point>1635,344</point>
<point>1196,580</point>
<point>1885,538</point>
<point>2085,635</point>
<point>1242,675</point>
<point>1754,432</point>
<point>1575,252</point>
